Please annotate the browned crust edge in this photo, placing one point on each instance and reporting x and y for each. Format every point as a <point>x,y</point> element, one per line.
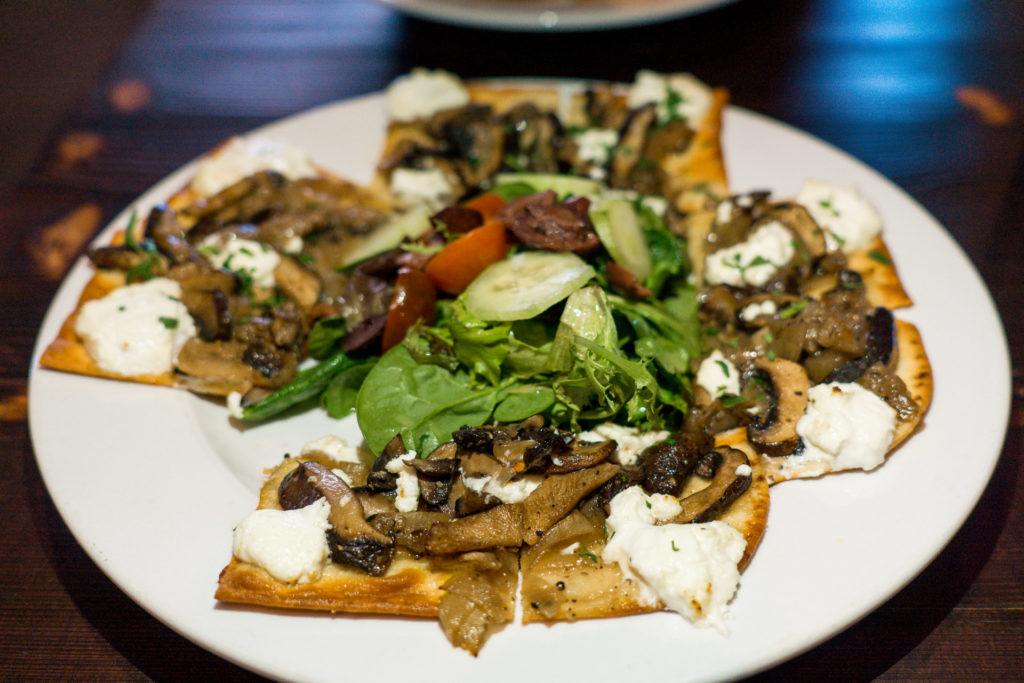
<point>882,283</point>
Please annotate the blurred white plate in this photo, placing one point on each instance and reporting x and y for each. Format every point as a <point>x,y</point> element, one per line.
<point>552,15</point>
<point>151,481</point>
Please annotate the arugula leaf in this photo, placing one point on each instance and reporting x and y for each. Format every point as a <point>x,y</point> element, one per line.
<point>339,398</point>
<point>325,335</point>
<point>667,256</point>
<point>424,403</point>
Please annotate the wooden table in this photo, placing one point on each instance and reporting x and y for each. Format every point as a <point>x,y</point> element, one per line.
<point>102,99</point>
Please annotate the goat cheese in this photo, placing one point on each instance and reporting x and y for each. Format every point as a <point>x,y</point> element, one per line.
<point>631,442</point>
<point>514,491</point>
<point>723,212</point>
<point>422,93</point>
<point>757,309</point>
<point>240,158</point>
<point>234,403</point>
<point>693,569</point>
<point>594,145</point>
<point>414,186</point>
<point>137,329</point>
<point>290,544</point>
<point>677,96</point>
<point>334,447</point>
<point>845,427</point>
<point>744,471</point>
<point>718,375</point>
<point>752,262</point>
<point>239,255</point>
<point>408,496</point>
<point>849,222</point>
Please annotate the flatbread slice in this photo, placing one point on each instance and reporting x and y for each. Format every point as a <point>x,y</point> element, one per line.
<point>912,367</point>
<point>566,586</point>
<point>472,595</point>
<point>696,177</point>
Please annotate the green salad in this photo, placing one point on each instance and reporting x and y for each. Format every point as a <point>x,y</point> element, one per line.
<point>601,330</point>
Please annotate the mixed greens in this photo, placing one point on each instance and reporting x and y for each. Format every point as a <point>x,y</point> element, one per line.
<point>604,334</point>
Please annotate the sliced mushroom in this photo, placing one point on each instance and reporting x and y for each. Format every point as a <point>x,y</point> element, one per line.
<point>273,367</point>
<point>458,219</point>
<point>300,284</point>
<point>498,527</point>
<point>167,233</point>
<point>435,478</point>
<point>881,339</point>
<point>557,495</point>
<point>786,385</point>
<point>582,455</point>
<point>123,258</point>
<point>542,222</point>
<point>666,465</point>
<point>534,138</point>
<point>475,137</point>
<point>379,478</point>
<point>352,540</point>
<point>631,144</point>
<point>218,361</point>
<point>727,485</point>
<point>469,501</point>
<point>478,598</point>
<point>796,218</point>
<point>211,311</point>
<point>412,529</point>
<point>708,464</point>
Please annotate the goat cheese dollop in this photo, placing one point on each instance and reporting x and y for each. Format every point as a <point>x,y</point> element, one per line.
<point>754,261</point>
<point>514,491</point>
<point>630,440</point>
<point>239,255</point>
<point>594,145</point>
<point>677,96</point>
<point>137,329</point>
<point>718,375</point>
<point>408,496</point>
<point>240,158</point>
<point>415,186</point>
<point>845,427</point>
<point>849,222</point>
<point>757,309</point>
<point>422,93</point>
<point>290,544</point>
<point>332,446</point>
<point>692,568</point>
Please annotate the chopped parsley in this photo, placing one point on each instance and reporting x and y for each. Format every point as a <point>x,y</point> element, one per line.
<point>247,251</point>
<point>129,232</point>
<point>770,355</point>
<point>122,308</point>
<point>169,323</point>
<point>674,547</point>
<point>711,331</point>
<point>793,309</point>
<point>736,262</point>
<point>828,206</point>
<point>724,366</point>
<point>210,250</point>
<point>876,255</point>
<point>304,259</point>
<point>839,240</point>
<point>586,554</point>
<point>648,504</point>
<point>673,100</point>
<point>732,343</point>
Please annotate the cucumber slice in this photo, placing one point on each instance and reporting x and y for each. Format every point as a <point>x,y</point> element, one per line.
<point>563,185</point>
<point>618,226</point>
<point>525,285</point>
<point>389,235</point>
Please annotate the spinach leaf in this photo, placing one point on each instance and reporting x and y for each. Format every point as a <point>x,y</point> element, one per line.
<point>524,401</point>
<point>339,398</point>
<point>324,335</point>
<point>424,403</point>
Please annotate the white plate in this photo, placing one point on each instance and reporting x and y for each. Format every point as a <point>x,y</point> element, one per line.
<point>552,15</point>
<point>151,481</point>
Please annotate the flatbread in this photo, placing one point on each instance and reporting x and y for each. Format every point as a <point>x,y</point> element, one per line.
<point>411,586</point>
<point>881,281</point>
<point>697,174</point>
<point>567,587</point>
<point>912,367</point>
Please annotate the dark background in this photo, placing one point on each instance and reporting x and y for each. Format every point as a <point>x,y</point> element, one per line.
<point>101,99</point>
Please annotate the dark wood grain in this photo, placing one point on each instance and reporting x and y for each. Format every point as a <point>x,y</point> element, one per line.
<point>877,79</point>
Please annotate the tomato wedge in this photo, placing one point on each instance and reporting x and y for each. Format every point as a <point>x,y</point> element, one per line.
<point>489,205</point>
<point>414,299</point>
<point>458,264</point>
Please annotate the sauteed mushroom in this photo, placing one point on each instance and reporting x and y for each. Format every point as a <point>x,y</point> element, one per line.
<point>786,385</point>
<point>728,484</point>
